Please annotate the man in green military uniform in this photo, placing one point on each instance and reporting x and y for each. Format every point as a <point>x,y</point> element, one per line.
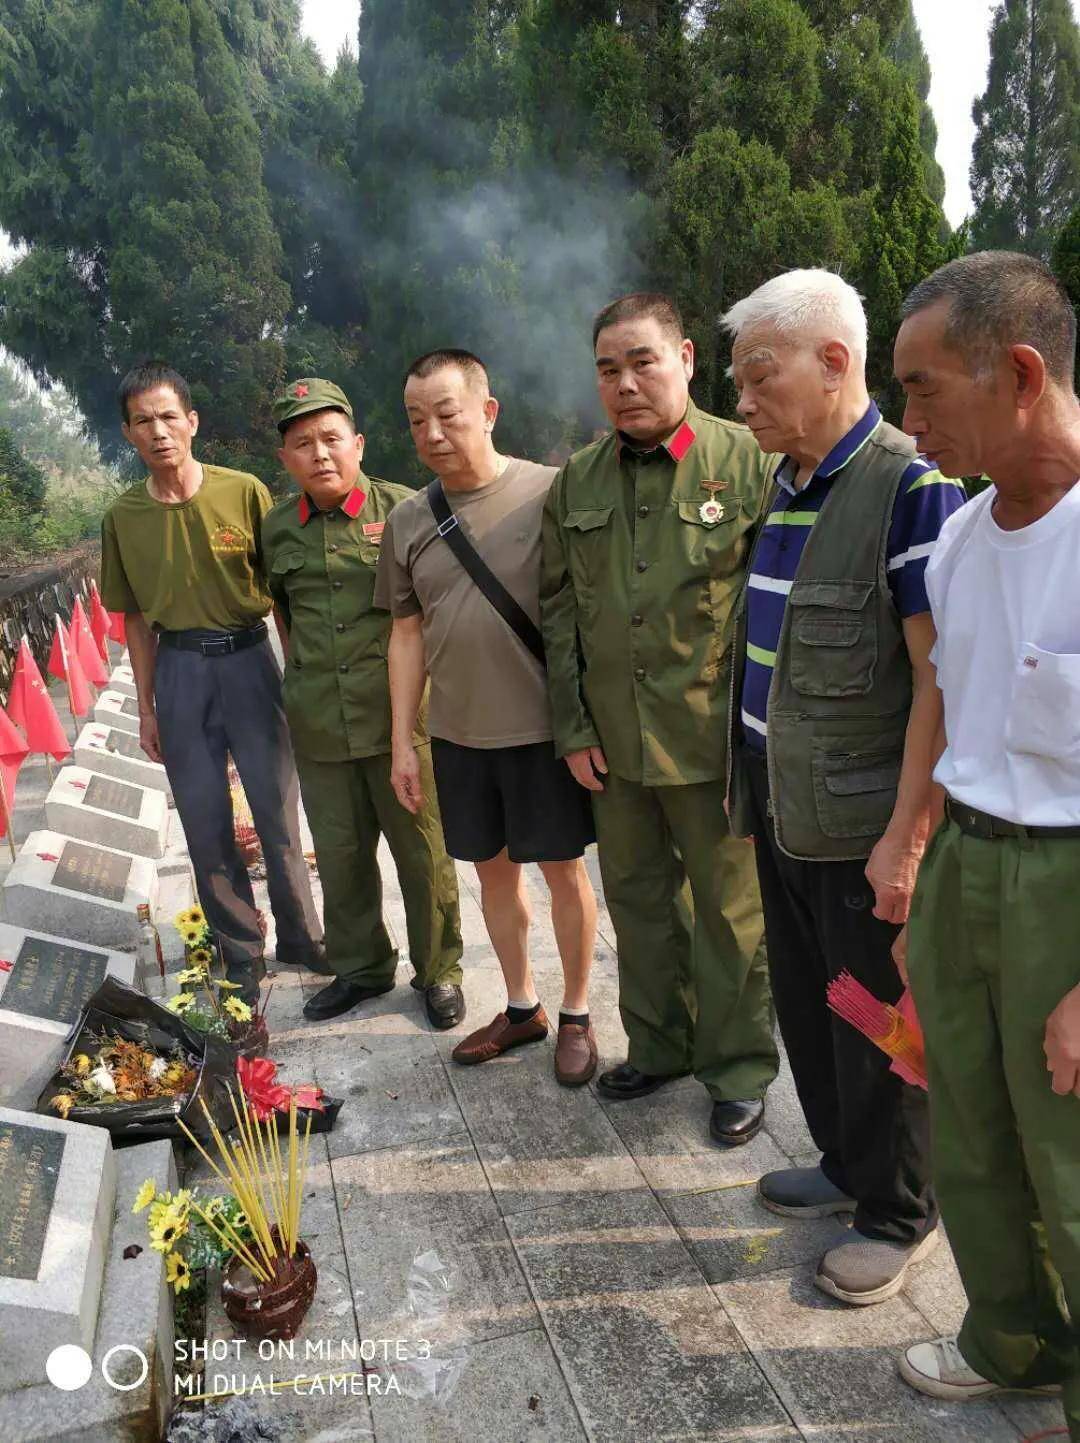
<point>320,554</point>
<point>646,535</point>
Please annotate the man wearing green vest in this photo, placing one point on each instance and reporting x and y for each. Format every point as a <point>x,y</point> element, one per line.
<point>986,353</point>
<point>646,534</point>
<point>321,551</point>
<point>833,734</point>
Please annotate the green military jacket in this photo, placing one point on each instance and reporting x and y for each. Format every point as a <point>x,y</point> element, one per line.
<point>643,559</point>
<point>320,566</point>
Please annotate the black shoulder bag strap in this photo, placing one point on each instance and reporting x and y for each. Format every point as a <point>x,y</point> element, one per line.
<point>518,620</point>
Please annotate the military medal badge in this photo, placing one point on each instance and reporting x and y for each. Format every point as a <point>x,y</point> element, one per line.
<point>712,510</point>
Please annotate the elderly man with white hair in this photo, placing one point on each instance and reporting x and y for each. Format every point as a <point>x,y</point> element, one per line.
<point>833,741</point>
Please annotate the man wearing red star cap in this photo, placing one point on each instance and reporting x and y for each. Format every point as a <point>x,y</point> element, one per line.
<point>321,550</point>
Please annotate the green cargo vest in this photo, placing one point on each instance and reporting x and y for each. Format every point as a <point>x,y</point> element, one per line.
<point>841,687</point>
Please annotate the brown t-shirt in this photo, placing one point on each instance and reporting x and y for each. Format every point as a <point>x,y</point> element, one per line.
<point>487,690</point>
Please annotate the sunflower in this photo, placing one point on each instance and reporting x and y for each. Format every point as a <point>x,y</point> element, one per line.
<point>181,1002</point>
<point>177,1272</point>
<point>190,917</point>
<point>81,1063</point>
<point>191,936</point>
<point>237,1009</point>
<point>190,974</point>
<point>170,1227</point>
<point>145,1196</point>
<point>201,956</point>
<point>63,1102</point>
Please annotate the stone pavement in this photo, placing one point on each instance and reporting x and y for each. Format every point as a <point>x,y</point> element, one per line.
<point>616,1279</point>
<point>614,1276</point>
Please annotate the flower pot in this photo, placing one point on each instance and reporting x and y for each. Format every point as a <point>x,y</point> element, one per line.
<point>275,1309</point>
<point>250,1039</point>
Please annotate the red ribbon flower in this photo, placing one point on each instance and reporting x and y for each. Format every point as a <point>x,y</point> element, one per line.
<point>266,1096</point>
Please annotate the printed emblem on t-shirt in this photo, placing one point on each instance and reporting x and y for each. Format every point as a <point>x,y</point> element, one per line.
<point>228,540</point>
<point>1032,661</point>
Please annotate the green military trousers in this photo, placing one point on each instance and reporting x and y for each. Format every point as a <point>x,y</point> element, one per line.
<point>994,945</point>
<point>348,805</point>
<point>683,897</point>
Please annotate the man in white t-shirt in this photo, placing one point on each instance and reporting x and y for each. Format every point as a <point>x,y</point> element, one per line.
<point>986,354</point>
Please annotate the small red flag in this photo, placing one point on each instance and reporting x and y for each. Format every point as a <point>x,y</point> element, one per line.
<point>85,647</point>
<point>13,752</point>
<point>30,706</point>
<point>64,663</point>
<point>117,628</point>
<point>99,622</point>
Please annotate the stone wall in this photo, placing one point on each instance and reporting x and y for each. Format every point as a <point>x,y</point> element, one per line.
<point>31,598</point>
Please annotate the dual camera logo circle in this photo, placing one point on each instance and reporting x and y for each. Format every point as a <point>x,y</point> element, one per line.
<point>69,1367</point>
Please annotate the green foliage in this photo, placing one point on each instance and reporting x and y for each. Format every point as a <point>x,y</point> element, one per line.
<point>1066,264</point>
<point>1025,168</point>
<point>189,180</point>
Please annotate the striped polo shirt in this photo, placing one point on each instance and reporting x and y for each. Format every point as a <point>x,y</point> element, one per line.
<point>924,500</point>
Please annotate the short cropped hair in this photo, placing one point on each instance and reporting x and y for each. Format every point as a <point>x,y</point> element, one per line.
<point>635,307</point>
<point>146,376</point>
<point>804,303</point>
<point>470,366</point>
<point>999,299</point>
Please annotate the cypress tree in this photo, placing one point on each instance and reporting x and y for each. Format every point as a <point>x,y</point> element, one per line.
<point>1025,168</point>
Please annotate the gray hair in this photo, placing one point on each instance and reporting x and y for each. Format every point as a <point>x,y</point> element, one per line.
<point>804,304</point>
<point>999,299</point>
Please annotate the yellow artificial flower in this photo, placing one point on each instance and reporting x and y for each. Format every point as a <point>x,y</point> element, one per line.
<point>235,1008</point>
<point>182,1201</point>
<point>201,956</point>
<point>174,1072</point>
<point>63,1102</point>
<point>145,1196</point>
<point>190,917</point>
<point>181,1002</point>
<point>81,1063</point>
<point>214,1206</point>
<point>223,986</point>
<point>190,974</point>
<point>191,936</point>
<point>177,1272</point>
<point>169,1229</point>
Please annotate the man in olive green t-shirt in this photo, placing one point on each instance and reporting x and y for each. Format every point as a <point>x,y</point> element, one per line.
<point>180,556</point>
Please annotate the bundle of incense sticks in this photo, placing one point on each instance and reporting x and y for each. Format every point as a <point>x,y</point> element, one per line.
<point>894,1029</point>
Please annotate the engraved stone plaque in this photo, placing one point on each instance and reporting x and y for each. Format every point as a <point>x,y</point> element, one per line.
<point>109,795</point>
<point>29,1166</point>
<point>83,868</point>
<point>52,979</point>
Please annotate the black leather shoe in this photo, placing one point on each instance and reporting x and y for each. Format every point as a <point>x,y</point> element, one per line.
<point>733,1123</point>
<point>313,958</point>
<point>445,1003</point>
<point>626,1081</point>
<point>340,997</point>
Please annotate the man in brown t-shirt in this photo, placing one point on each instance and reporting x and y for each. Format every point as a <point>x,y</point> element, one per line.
<point>505,798</point>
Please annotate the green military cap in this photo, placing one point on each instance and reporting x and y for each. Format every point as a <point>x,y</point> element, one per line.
<point>310,393</point>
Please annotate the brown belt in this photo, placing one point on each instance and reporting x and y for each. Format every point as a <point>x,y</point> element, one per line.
<point>989,829</point>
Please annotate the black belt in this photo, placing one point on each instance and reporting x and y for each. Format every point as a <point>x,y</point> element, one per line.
<point>214,643</point>
<point>982,824</point>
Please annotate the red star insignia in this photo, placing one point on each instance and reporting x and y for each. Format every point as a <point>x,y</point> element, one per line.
<point>5,965</point>
<point>48,857</point>
<point>81,786</point>
<point>300,391</point>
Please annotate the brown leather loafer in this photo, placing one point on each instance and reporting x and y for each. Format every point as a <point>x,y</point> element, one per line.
<point>575,1054</point>
<point>499,1036</point>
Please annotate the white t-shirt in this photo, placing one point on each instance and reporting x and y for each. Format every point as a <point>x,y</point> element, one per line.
<point>1006,605</point>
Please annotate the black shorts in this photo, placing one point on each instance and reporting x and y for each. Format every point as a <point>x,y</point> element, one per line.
<point>521,798</point>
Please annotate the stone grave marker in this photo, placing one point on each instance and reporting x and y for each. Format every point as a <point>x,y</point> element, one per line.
<point>114,753</point>
<point>113,710</point>
<point>69,888</point>
<point>123,681</point>
<point>45,982</point>
<point>58,1183</point>
<point>108,811</point>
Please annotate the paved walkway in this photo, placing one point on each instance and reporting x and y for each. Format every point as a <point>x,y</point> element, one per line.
<point>613,1277</point>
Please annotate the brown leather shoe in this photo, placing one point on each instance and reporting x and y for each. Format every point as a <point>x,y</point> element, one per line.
<point>499,1036</point>
<point>575,1054</point>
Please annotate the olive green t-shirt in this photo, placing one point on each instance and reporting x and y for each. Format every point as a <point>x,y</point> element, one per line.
<point>487,689</point>
<point>197,563</point>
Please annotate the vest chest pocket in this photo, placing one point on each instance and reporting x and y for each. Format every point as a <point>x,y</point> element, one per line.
<point>833,643</point>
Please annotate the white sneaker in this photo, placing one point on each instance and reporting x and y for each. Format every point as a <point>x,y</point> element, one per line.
<point>939,1370</point>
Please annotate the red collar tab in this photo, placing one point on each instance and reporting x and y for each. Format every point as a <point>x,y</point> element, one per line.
<point>351,506</point>
<point>677,446</point>
<point>354,503</point>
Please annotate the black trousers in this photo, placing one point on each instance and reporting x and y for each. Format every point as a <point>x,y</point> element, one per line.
<point>209,708</point>
<point>873,1129</point>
